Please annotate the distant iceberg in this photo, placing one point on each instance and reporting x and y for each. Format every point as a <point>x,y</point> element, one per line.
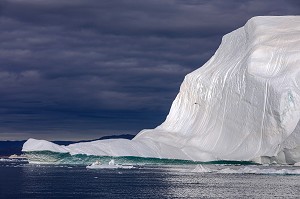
<point>243,104</point>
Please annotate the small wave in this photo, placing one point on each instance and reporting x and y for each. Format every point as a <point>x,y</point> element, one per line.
<point>249,170</point>
<point>12,160</point>
<point>246,170</point>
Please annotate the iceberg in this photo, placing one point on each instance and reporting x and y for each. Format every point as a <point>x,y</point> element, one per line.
<point>243,104</point>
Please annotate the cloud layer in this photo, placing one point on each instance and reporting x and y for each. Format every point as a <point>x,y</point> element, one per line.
<point>86,68</point>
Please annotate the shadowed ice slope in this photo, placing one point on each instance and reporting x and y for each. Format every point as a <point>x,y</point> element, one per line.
<point>243,104</point>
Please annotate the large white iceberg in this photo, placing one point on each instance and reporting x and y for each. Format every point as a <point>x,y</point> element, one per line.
<point>243,104</point>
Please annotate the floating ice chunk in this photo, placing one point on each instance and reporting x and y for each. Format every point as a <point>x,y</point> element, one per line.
<point>102,166</point>
<point>110,165</point>
<point>112,162</point>
<point>297,164</point>
<point>201,169</point>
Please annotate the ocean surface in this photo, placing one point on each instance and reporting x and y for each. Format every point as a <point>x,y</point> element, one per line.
<point>18,179</point>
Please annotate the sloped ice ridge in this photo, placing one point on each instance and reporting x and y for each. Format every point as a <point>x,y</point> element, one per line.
<point>243,104</point>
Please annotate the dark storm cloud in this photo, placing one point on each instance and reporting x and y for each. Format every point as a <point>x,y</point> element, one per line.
<point>77,69</point>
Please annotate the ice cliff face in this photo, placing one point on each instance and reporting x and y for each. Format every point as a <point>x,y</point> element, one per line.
<point>243,104</point>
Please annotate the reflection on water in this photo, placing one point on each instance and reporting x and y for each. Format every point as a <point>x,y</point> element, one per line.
<point>217,185</point>
<point>19,180</point>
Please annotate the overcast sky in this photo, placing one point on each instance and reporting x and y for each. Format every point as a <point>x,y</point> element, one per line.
<point>82,69</point>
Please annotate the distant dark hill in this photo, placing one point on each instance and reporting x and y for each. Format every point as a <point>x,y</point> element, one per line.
<point>123,136</point>
<point>11,147</point>
<point>8,148</point>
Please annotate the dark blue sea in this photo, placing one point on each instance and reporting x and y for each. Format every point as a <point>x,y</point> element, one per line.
<point>18,179</point>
